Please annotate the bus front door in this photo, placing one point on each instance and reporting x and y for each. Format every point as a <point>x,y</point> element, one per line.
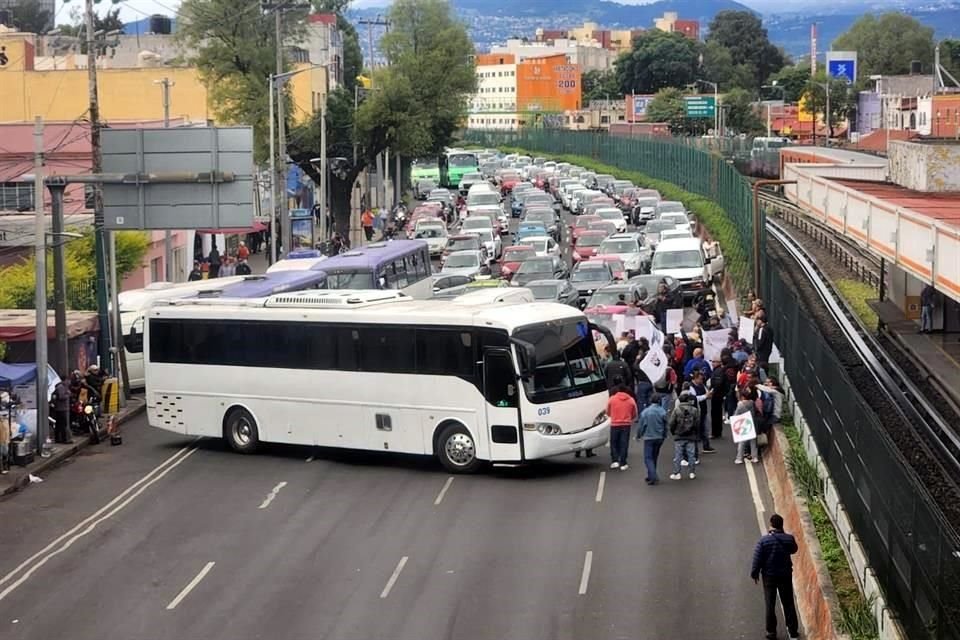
<point>501,391</point>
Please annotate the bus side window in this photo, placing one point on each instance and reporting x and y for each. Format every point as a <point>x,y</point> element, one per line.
<point>387,278</point>
<point>401,272</point>
<point>133,341</point>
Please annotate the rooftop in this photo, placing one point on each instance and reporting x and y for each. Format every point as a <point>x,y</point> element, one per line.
<point>944,207</point>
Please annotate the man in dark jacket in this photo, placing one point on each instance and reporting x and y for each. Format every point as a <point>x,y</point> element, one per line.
<point>763,342</point>
<point>684,425</point>
<point>60,404</point>
<point>771,561</point>
<point>718,392</point>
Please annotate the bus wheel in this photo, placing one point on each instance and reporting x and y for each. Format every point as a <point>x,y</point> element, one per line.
<point>457,450</point>
<point>240,431</point>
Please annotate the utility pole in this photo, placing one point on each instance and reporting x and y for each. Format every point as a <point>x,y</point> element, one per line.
<point>281,137</point>
<point>103,314</point>
<point>40,301</point>
<point>324,170</point>
<point>273,180</point>
<point>62,355</point>
<point>165,85</point>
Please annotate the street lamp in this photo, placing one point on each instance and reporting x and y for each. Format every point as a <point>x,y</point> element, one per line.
<point>716,105</point>
<point>783,98</point>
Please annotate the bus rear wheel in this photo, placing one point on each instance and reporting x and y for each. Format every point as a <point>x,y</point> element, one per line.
<point>240,431</point>
<point>457,450</point>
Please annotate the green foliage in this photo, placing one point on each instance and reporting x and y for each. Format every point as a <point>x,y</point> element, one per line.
<point>30,17</point>
<point>741,115</point>
<point>600,85</point>
<point>794,80</point>
<point>18,281</point>
<point>886,44</point>
<point>234,51</point>
<point>856,293</point>
<point>856,612</point>
<point>843,100</point>
<point>667,106</point>
<point>718,66</point>
<point>110,21</point>
<point>743,35</point>
<point>352,54</point>
<point>950,56</point>
<point>658,60</point>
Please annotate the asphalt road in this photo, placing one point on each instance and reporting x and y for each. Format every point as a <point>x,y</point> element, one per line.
<point>296,548</point>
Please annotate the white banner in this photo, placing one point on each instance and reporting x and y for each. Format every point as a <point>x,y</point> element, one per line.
<point>654,364</point>
<point>714,342</point>
<point>674,320</point>
<point>746,330</point>
<point>732,312</point>
<point>742,427</point>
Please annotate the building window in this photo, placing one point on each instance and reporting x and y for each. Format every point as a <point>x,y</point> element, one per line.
<point>16,196</point>
<point>156,270</point>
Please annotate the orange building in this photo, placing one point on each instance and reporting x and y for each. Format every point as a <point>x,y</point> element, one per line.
<point>548,85</point>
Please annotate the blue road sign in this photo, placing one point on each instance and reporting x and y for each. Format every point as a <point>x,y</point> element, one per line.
<point>846,69</point>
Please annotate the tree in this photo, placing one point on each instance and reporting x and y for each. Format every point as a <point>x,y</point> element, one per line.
<point>950,57</point>
<point>843,100</point>
<point>741,116</point>
<point>110,21</point>
<point>599,85</point>
<point>886,45</point>
<point>658,60</point>
<point>793,79</point>
<point>233,49</point>
<point>667,106</point>
<point>743,35</point>
<point>30,17</point>
<point>718,66</point>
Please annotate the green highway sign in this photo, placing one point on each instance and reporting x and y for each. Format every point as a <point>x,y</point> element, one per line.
<point>700,107</point>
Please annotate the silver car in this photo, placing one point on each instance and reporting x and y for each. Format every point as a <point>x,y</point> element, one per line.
<point>465,263</point>
<point>630,248</point>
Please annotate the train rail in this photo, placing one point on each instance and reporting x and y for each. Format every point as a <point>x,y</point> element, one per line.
<point>933,430</point>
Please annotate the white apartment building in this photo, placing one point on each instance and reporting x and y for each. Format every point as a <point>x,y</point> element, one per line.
<point>494,106</point>
<point>590,56</point>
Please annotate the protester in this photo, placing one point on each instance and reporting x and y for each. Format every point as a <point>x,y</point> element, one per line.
<point>618,373</point>
<point>623,341</point>
<point>623,413</point>
<point>196,273</point>
<point>699,387</point>
<point>653,431</point>
<point>718,392</point>
<point>772,563</point>
<point>643,388</point>
<point>763,342</point>
<point>684,426</point>
<point>666,386</point>
<point>95,377</point>
<point>746,406</point>
<point>697,363</point>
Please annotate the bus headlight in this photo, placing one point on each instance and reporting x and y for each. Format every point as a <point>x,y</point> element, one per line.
<point>543,428</point>
<point>601,417</point>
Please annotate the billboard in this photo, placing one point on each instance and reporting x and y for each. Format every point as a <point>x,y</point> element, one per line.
<point>700,107</point>
<point>842,64</point>
<point>637,107</point>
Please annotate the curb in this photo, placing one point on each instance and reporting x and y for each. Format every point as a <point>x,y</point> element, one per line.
<point>79,443</point>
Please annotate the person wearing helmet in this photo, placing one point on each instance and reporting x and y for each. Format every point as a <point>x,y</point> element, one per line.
<point>95,378</point>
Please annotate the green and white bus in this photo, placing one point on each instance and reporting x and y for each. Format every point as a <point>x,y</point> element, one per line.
<point>425,169</point>
<point>453,166</point>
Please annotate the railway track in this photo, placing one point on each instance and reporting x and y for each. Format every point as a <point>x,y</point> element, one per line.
<point>933,430</point>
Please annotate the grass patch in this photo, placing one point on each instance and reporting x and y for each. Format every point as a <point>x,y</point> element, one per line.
<point>710,214</point>
<point>856,612</point>
<point>857,293</point>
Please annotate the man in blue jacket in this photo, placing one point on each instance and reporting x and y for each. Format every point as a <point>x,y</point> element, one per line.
<point>771,560</point>
<point>653,431</point>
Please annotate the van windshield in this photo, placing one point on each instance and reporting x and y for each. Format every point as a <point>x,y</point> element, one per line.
<point>677,260</point>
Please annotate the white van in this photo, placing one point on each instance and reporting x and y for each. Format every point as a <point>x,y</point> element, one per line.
<point>685,260</point>
<point>134,305</point>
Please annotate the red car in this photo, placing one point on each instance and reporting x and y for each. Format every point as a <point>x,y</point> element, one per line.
<point>587,245</point>
<point>512,258</point>
<point>602,225</point>
<point>616,265</point>
<point>581,224</point>
<point>508,181</point>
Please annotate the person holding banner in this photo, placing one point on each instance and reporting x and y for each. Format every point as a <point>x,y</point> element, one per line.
<point>744,428</point>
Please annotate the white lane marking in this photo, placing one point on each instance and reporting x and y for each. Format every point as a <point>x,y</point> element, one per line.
<point>443,492</point>
<point>603,481</point>
<point>585,576</point>
<point>393,578</point>
<point>92,520</point>
<point>310,459</point>
<point>755,492</point>
<point>187,589</point>
<point>272,495</point>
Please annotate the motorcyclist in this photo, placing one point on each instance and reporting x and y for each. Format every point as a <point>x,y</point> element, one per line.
<point>95,378</point>
<point>81,393</point>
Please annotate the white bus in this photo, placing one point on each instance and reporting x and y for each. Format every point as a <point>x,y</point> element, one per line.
<point>378,370</point>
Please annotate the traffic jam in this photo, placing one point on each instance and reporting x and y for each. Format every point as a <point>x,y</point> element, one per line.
<point>566,234</point>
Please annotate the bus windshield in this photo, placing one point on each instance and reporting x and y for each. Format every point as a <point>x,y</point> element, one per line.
<point>566,361</point>
<point>462,160</point>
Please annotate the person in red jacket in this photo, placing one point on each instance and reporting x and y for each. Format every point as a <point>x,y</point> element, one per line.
<point>622,409</point>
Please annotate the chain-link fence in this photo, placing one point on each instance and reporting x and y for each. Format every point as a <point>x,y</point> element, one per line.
<point>687,165</point>
<point>908,544</point>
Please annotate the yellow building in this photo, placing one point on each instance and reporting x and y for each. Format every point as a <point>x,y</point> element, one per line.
<point>125,94</point>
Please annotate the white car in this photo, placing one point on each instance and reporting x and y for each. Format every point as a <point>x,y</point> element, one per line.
<point>680,219</point>
<point>435,236</point>
<point>542,245</point>
<point>615,216</point>
<point>629,248</point>
<point>482,226</point>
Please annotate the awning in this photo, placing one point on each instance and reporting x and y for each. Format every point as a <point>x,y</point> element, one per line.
<point>256,228</point>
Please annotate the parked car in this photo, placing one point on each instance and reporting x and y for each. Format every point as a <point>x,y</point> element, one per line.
<point>616,265</point>
<point>513,257</point>
<point>443,282</point>
<point>590,275</point>
<point>466,263</point>
<point>587,245</point>
<point>670,206</point>
<point>603,225</point>
<point>545,268</point>
<point>554,291</point>
<point>630,249</point>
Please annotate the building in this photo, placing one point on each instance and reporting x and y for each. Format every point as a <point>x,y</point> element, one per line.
<point>893,103</point>
<point>616,40</point>
<point>547,86</point>
<point>494,106</point>
<point>591,56</point>
<point>50,6</point>
<point>599,115</point>
<point>671,23</point>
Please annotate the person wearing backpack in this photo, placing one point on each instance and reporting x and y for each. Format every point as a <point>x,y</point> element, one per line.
<point>684,425</point>
<point>718,393</point>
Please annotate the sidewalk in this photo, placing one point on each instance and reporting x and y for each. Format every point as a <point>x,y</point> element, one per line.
<point>19,477</point>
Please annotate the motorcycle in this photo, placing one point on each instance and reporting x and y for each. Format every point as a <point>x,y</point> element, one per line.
<point>84,418</point>
<point>400,216</point>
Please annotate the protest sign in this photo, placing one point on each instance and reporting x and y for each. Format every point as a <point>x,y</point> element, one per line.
<point>742,427</point>
<point>746,330</point>
<point>674,320</point>
<point>715,342</point>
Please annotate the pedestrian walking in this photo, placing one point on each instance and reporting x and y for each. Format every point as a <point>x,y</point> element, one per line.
<point>196,273</point>
<point>927,298</point>
<point>684,426</point>
<point>772,564</point>
<point>622,410</point>
<point>214,259</point>
<point>653,431</point>
<point>746,405</point>
<point>366,221</point>
<point>242,251</point>
<point>699,388</point>
<point>60,403</point>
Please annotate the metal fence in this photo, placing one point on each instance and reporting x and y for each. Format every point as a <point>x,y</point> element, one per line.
<point>911,549</point>
<point>691,168</point>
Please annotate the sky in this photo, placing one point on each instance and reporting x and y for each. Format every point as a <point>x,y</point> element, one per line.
<point>130,10</point>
